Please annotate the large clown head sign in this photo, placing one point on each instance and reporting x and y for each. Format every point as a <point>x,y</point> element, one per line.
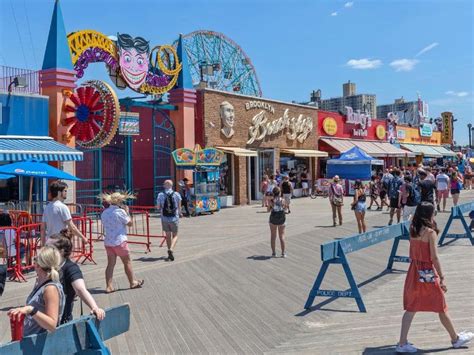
<point>133,59</point>
<point>130,60</point>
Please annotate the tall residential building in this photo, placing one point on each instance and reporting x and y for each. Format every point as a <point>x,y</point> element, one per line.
<point>348,89</point>
<point>363,102</point>
<point>408,112</point>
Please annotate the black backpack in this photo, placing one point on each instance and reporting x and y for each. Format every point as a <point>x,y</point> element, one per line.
<point>169,207</point>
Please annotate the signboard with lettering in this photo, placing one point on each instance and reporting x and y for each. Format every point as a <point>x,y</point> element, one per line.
<point>330,126</point>
<point>447,133</point>
<point>426,130</point>
<point>231,120</point>
<point>363,120</point>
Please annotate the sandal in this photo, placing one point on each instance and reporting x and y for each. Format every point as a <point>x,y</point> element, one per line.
<point>139,284</point>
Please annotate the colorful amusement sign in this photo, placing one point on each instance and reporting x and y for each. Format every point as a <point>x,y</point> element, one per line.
<point>128,58</point>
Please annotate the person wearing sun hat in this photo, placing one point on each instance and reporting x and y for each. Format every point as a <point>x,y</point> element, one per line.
<point>115,220</point>
<point>336,199</point>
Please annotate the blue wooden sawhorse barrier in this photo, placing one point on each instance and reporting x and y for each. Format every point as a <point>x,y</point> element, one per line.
<point>335,252</point>
<point>458,212</point>
<point>85,335</point>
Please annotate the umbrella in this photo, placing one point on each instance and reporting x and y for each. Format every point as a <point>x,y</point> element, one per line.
<point>6,177</point>
<point>35,169</point>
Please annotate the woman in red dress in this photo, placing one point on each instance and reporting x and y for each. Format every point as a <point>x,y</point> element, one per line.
<point>424,285</point>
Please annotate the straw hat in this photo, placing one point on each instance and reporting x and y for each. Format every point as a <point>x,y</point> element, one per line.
<point>117,198</point>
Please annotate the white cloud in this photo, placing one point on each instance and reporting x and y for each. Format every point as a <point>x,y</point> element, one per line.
<point>349,4</point>
<point>457,93</point>
<point>404,64</point>
<point>427,48</point>
<point>334,13</point>
<point>364,63</point>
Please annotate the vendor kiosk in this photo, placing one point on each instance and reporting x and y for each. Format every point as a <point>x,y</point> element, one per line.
<point>352,165</point>
<point>204,195</point>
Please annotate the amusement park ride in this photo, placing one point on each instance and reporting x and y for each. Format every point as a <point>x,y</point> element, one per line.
<point>219,63</point>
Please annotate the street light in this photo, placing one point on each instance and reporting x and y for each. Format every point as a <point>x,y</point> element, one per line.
<point>469,127</point>
<point>18,82</point>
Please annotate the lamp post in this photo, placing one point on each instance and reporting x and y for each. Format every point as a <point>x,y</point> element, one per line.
<point>469,127</point>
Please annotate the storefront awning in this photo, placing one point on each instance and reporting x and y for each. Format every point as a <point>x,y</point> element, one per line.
<point>371,148</point>
<point>443,151</point>
<point>375,149</point>
<point>18,148</point>
<point>341,145</point>
<point>305,153</point>
<point>240,152</point>
<point>393,151</point>
<point>421,149</point>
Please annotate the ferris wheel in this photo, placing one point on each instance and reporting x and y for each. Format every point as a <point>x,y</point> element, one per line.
<point>219,63</point>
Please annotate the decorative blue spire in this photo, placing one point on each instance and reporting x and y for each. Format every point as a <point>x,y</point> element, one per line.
<point>57,54</point>
<point>184,80</point>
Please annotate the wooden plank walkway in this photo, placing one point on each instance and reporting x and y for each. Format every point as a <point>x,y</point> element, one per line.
<point>223,294</point>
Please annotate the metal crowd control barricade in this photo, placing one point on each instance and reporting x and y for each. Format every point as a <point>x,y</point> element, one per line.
<point>149,210</point>
<point>336,252</point>
<point>27,241</point>
<point>8,249</point>
<point>457,212</point>
<point>81,252</point>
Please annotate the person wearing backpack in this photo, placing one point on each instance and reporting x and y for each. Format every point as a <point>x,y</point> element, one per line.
<point>169,202</point>
<point>408,198</point>
<point>393,194</point>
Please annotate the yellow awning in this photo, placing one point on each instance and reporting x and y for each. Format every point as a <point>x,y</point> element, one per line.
<point>240,152</point>
<point>305,153</point>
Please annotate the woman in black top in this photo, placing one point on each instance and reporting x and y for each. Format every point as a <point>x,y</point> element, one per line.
<point>277,221</point>
<point>71,278</point>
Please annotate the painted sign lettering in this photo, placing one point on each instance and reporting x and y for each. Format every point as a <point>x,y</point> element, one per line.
<point>296,127</point>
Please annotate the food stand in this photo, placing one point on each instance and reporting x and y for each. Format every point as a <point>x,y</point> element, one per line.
<point>352,165</point>
<point>204,196</point>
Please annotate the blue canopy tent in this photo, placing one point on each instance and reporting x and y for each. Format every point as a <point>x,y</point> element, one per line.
<point>352,164</point>
<point>34,169</point>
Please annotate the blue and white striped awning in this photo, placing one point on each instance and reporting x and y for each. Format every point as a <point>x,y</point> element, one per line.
<point>18,148</point>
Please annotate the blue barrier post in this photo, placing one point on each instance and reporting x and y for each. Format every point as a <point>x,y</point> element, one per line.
<point>393,254</point>
<point>457,212</point>
<point>335,252</point>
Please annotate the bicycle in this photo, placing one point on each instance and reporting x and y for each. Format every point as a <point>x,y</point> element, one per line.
<point>316,191</point>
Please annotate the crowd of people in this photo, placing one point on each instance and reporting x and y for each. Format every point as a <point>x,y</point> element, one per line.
<point>415,193</point>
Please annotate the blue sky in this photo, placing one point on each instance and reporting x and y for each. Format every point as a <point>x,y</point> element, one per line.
<point>388,47</point>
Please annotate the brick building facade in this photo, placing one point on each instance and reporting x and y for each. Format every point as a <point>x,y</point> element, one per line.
<point>259,136</point>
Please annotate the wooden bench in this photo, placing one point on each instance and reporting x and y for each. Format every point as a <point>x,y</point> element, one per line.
<point>457,212</point>
<point>85,335</point>
<point>336,252</point>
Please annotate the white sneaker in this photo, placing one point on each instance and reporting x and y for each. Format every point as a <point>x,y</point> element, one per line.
<point>463,338</point>
<point>407,348</point>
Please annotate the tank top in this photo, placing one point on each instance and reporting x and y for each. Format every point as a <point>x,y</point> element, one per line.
<point>36,299</point>
<point>286,187</point>
<point>278,205</point>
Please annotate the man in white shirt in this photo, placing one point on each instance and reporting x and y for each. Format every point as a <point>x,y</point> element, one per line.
<point>56,215</point>
<point>442,185</point>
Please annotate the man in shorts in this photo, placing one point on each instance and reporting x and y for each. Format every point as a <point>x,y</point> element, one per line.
<point>287,190</point>
<point>393,194</point>
<point>169,203</point>
<point>442,186</point>
<point>56,215</point>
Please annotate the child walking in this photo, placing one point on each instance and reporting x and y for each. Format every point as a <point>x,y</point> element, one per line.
<point>424,284</point>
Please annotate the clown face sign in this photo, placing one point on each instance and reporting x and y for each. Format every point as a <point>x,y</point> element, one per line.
<point>133,59</point>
